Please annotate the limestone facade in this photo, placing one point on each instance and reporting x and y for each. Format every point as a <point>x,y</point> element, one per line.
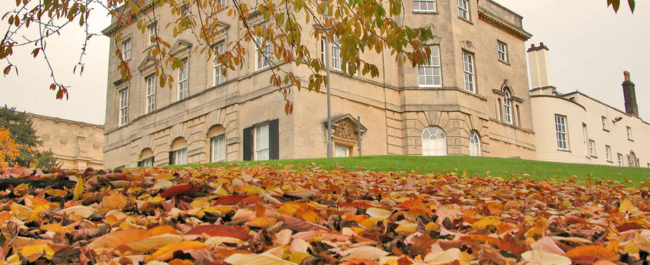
<point>396,111</point>
<point>76,145</point>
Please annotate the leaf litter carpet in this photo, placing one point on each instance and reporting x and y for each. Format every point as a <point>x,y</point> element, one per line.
<point>260,215</point>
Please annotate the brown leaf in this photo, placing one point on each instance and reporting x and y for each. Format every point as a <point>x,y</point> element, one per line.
<point>221,230</point>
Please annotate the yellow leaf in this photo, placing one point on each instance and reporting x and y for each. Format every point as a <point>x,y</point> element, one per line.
<point>486,222</point>
<point>20,211</point>
<point>407,228</point>
<point>32,253</point>
<point>33,216</point>
<point>626,206</point>
<point>78,189</point>
<point>368,223</point>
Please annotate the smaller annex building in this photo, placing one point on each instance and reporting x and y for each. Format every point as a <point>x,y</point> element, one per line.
<point>576,128</point>
<point>75,144</point>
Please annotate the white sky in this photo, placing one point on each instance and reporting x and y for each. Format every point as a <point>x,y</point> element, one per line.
<point>590,47</point>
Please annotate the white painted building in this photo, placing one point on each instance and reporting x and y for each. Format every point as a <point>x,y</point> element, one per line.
<point>576,128</point>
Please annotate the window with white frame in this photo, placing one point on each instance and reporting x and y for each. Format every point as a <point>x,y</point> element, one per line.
<point>608,152</point>
<point>341,150</point>
<point>147,162</point>
<point>424,5</point>
<point>474,144</point>
<point>261,142</point>
<point>592,148</point>
<point>124,107</point>
<point>429,74</point>
<point>153,33</point>
<point>629,133</point>
<point>502,50</point>
<point>468,70</point>
<point>219,78</point>
<point>337,61</point>
<point>263,53</point>
<point>604,120</point>
<point>620,159</point>
<point>463,9</point>
<point>561,132</point>
<point>182,81</point>
<point>434,142</point>
<point>507,106</point>
<point>218,148</point>
<point>126,49</point>
<point>151,93</point>
<point>179,156</point>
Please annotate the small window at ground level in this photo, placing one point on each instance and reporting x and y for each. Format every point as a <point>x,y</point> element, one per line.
<point>341,150</point>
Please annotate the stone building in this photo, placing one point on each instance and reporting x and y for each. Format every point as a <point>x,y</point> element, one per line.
<point>75,144</point>
<point>576,128</point>
<point>472,98</point>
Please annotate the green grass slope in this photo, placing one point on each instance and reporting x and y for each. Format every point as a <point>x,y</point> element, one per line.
<point>468,166</point>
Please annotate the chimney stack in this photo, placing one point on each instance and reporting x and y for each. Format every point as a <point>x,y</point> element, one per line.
<point>630,95</point>
<point>540,72</point>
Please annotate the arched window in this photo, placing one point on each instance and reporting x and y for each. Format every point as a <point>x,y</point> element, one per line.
<point>146,158</point>
<point>507,106</point>
<point>217,140</point>
<point>632,159</point>
<point>178,153</point>
<point>434,142</point>
<point>474,144</point>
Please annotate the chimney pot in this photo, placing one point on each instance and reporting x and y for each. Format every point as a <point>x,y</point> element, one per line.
<point>627,76</point>
<point>541,44</point>
<point>532,45</point>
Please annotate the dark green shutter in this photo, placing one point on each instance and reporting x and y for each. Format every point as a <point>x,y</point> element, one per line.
<point>171,157</point>
<point>248,144</point>
<point>140,163</point>
<point>274,140</point>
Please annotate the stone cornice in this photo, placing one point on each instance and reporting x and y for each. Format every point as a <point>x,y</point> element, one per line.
<point>485,15</point>
<point>116,25</point>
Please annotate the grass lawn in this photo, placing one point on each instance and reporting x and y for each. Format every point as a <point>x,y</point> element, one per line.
<point>468,166</point>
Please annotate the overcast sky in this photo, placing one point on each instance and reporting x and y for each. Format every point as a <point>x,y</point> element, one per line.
<point>590,47</point>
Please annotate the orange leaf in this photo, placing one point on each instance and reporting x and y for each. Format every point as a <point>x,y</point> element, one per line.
<point>511,244</point>
<point>167,252</point>
<point>229,200</point>
<point>262,222</point>
<point>221,230</point>
<point>180,262</point>
<point>415,205</point>
<point>117,238</point>
<point>178,190</point>
<point>592,251</point>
